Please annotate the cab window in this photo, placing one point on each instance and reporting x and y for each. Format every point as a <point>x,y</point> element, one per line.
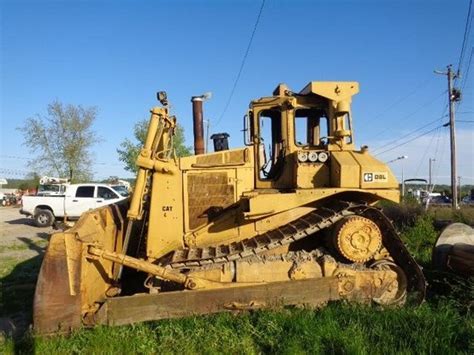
<point>85,191</point>
<point>311,127</point>
<point>106,193</point>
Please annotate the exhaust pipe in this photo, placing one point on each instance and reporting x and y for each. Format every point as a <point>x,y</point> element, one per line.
<point>198,124</point>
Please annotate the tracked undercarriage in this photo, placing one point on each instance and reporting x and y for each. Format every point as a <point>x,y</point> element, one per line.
<point>235,230</point>
<point>261,271</point>
<point>357,254</point>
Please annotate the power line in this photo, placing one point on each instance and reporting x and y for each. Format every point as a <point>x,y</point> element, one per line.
<point>464,79</point>
<point>465,121</point>
<point>241,65</point>
<point>413,113</point>
<point>403,98</point>
<point>440,160</point>
<point>14,172</point>
<point>13,157</point>
<point>466,35</point>
<point>4,156</point>
<point>438,133</point>
<point>437,148</point>
<point>408,134</point>
<point>428,146</point>
<point>408,141</point>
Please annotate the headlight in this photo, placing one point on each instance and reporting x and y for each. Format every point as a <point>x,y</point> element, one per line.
<point>313,157</point>
<point>323,157</point>
<point>302,157</point>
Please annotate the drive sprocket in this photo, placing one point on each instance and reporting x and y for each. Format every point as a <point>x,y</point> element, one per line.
<point>357,238</point>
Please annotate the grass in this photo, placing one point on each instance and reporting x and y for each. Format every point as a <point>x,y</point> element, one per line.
<point>7,264</point>
<point>444,324</point>
<point>23,246</point>
<point>463,215</point>
<point>420,239</point>
<point>337,329</point>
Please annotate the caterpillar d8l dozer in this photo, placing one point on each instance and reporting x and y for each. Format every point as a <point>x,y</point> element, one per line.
<point>287,220</point>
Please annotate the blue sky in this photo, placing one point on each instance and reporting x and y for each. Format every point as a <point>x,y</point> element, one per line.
<point>116,54</point>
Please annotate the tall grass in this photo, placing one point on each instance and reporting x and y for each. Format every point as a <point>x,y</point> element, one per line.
<point>337,329</point>
<point>420,239</point>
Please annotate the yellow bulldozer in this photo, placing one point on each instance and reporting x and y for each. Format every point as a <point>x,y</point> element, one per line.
<point>287,220</point>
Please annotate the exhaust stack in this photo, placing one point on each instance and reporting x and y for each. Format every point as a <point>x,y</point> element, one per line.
<point>198,125</point>
<point>198,121</point>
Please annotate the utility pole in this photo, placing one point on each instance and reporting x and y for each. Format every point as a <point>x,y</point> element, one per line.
<point>460,189</point>
<point>430,174</point>
<point>453,96</point>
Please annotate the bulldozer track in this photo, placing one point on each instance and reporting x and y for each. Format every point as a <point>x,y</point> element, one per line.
<point>304,226</point>
<point>319,219</point>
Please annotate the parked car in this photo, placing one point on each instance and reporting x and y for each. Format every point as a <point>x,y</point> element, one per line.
<point>467,200</point>
<point>77,198</point>
<point>439,200</point>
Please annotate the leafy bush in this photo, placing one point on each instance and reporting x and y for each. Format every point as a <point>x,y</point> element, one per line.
<point>420,238</point>
<point>403,215</point>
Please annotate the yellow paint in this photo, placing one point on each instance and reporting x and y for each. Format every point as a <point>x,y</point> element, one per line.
<point>236,200</point>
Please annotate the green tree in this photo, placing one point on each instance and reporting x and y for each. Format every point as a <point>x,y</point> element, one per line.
<point>62,140</point>
<point>128,150</point>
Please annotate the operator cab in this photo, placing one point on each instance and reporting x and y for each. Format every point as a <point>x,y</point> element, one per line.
<point>289,129</point>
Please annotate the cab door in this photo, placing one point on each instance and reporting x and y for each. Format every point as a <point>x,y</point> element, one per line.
<point>81,200</point>
<point>273,165</point>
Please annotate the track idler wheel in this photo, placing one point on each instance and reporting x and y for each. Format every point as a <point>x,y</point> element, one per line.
<point>395,292</point>
<point>357,238</point>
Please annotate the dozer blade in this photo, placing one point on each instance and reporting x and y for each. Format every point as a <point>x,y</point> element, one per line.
<point>454,249</point>
<point>71,285</point>
<point>55,309</point>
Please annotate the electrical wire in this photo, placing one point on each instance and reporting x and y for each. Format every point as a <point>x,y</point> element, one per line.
<point>242,64</point>
<point>428,146</point>
<point>438,134</point>
<point>408,141</point>
<point>466,76</point>
<point>4,156</point>
<point>403,98</point>
<point>413,113</point>
<point>438,161</point>
<point>406,135</point>
<point>438,145</point>
<point>465,36</point>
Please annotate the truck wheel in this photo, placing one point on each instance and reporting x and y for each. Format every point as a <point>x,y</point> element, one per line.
<point>44,218</point>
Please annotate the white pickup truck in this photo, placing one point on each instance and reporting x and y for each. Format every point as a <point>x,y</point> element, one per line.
<point>77,198</point>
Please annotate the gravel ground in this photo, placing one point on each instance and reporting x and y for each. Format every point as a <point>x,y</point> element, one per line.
<point>19,238</point>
